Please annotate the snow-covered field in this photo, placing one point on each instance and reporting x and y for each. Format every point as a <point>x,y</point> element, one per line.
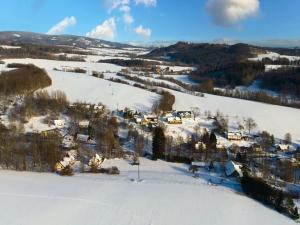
<point>166,195</point>
<point>64,65</point>
<point>274,56</point>
<point>275,119</point>
<point>85,88</point>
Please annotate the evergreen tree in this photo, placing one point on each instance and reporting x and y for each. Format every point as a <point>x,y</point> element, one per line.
<point>158,143</point>
<point>279,202</point>
<point>213,140</point>
<point>295,213</point>
<point>205,138</point>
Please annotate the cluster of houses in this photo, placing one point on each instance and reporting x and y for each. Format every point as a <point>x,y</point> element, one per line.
<point>176,117</point>
<point>165,70</point>
<point>151,121</point>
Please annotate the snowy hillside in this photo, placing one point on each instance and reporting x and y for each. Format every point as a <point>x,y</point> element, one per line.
<point>274,56</point>
<point>90,89</point>
<point>277,120</point>
<point>166,195</point>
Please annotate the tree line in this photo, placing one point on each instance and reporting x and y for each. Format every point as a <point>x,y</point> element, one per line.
<point>23,80</point>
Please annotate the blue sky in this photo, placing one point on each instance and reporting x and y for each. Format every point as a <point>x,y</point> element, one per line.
<point>156,20</point>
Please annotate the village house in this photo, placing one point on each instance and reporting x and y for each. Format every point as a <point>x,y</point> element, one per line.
<point>184,114</point>
<point>284,147</point>
<point>48,133</point>
<point>84,124</point>
<point>234,136</point>
<point>138,119</point>
<point>59,124</point>
<point>196,165</point>
<point>86,139</point>
<point>98,108</point>
<point>68,141</point>
<point>149,120</point>
<point>174,120</point>
<point>233,169</point>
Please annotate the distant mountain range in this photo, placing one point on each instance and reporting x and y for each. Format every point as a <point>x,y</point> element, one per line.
<point>205,54</point>
<point>18,37</point>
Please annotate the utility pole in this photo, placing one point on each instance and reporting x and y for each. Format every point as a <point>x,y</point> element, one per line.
<point>139,171</point>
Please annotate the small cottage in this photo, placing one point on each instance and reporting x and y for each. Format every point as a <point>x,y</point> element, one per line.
<point>84,124</point>
<point>233,169</point>
<point>234,136</point>
<point>174,120</point>
<point>184,114</point>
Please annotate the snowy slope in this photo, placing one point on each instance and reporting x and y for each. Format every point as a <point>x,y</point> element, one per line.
<point>94,90</point>
<point>274,56</point>
<point>51,64</point>
<point>277,120</point>
<point>167,196</point>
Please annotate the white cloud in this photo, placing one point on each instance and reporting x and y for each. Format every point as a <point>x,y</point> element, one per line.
<point>125,9</point>
<point>62,25</point>
<point>231,12</point>
<point>128,19</point>
<point>144,32</point>
<point>114,4</point>
<point>146,2</point>
<point>106,30</point>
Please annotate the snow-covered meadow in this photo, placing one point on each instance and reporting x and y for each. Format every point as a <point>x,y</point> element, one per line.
<point>277,120</point>
<point>167,194</point>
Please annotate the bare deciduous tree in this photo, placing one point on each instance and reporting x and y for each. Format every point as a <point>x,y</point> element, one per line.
<point>250,124</point>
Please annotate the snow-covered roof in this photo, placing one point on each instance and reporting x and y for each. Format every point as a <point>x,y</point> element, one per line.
<point>200,164</point>
<point>232,167</point>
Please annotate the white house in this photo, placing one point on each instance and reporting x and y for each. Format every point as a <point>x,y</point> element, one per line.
<point>98,108</point>
<point>68,141</point>
<point>234,136</point>
<point>174,120</point>
<point>84,123</point>
<point>184,114</point>
<point>86,139</point>
<point>284,148</point>
<point>59,124</point>
<point>201,164</point>
<point>233,169</point>
<point>138,119</point>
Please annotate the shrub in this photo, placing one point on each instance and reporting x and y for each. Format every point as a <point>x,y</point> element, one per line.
<point>67,171</point>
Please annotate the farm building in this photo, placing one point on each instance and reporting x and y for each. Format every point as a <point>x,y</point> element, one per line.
<point>233,169</point>
<point>174,120</point>
<point>84,124</point>
<point>234,136</point>
<point>86,139</point>
<point>59,123</point>
<point>184,114</point>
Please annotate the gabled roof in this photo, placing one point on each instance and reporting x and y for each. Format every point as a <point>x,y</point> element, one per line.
<point>232,167</point>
